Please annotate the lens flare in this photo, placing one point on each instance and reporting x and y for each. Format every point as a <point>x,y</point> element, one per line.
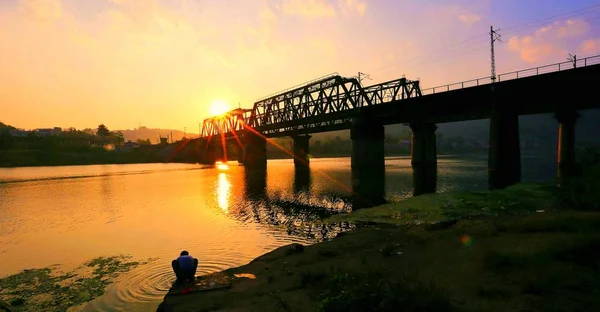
<point>466,240</point>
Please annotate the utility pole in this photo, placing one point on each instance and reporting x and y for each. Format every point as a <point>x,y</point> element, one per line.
<point>184,132</point>
<point>494,35</point>
<point>360,77</point>
<point>573,59</point>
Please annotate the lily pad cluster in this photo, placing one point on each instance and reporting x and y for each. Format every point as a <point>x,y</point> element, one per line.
<point>49,289</point>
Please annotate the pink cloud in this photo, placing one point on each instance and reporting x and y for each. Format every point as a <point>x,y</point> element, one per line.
<point>469,18</point>
<point>549,41</point>
<point>590,46</point>
<point>529,50</point>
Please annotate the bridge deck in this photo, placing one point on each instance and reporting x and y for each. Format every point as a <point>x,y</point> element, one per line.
<point>330,107</point>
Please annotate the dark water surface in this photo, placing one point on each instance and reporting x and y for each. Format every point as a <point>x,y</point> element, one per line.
<point>223,215</point>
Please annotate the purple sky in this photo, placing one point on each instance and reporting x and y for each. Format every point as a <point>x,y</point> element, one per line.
<point>162,63</point>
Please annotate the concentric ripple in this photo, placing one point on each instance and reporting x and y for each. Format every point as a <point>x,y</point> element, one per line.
<point>143,288</point>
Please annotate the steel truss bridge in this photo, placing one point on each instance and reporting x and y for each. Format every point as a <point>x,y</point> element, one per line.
<point>328,103</point>
<point>318,106</point>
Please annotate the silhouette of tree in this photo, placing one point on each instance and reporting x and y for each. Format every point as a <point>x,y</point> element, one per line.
<point>117,138</point>
<point>6,141</point>
<point>102,131</point>
<point>144,142</point>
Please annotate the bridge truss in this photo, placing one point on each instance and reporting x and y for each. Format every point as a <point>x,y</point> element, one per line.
<point>228,123</point>
<point>322,105</point>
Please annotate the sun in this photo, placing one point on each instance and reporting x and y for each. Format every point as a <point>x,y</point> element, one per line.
<point>218,107</point>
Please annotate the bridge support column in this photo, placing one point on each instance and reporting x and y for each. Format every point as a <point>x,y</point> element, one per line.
<point>567,165</point>
<point>424,158</point>
<point>206,152</point>
<point>240,154</point>
<point>301,150</point>
<point>368,163</point>
<point>302,179</point>
<point>504,161</point>
<point>255,150</point>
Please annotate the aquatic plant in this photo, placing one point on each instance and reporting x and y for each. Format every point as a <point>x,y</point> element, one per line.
<point>48,289</point>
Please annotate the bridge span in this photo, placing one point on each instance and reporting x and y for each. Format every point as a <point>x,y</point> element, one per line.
<point>334,103</point>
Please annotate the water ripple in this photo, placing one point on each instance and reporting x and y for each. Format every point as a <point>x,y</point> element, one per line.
<point>146,285</point>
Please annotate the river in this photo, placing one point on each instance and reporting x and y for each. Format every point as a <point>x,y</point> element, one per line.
<point>69,215</point>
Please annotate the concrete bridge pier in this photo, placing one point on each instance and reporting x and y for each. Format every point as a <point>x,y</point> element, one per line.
<point>302,179</point>
<point>301,150</point>
<point>424,158</point>
<point>504,161</point>
<point>567,165</point>
<point>206,152</point>
<point>255,150</point>
<point>368,163</point>
<point>240,153</point>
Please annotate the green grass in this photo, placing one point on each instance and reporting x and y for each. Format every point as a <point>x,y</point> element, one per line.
<point>429,208</point>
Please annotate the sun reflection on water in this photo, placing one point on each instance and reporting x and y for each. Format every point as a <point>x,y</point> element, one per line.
<point>223,187</point>
<point>221,165</point>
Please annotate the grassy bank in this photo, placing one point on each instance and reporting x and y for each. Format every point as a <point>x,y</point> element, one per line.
<point>509,250</point>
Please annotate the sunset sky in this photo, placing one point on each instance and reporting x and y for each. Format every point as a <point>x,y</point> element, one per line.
<point>79,63</point>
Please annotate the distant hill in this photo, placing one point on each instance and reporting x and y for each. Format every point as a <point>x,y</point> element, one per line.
<point>5,126</point>
<point>154,134</point>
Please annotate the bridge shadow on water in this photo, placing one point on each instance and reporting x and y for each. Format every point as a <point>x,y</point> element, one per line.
<point>299,213</point>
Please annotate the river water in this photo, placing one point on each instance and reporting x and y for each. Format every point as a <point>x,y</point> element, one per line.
<point>222,215</point>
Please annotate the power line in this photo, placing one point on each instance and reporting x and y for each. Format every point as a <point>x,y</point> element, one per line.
<point>434,52</point>
<point>481,47</point>
<point>590,8</point>
<point>516,28</point>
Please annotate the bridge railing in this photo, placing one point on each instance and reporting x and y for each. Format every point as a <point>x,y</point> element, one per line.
<point>592,60</point>
<point>457,85</point>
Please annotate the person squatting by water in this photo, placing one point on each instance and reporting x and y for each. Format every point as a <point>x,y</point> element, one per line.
<point>185,267</point>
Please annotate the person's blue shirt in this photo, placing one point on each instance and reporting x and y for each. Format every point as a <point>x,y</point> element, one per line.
<point>186,262</point>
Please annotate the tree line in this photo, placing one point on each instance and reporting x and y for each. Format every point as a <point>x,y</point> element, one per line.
<point>65,139</point>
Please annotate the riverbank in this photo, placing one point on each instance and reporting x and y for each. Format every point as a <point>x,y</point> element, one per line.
<point>494,251</point>
<point>91,156</point>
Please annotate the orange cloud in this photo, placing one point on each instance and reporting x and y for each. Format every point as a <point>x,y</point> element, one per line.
<point>548,41</point>
<point>162,62</point>
<point>353,6</point>
<point>325,46</point>
<point>308,8</point>
<point>46,10</point>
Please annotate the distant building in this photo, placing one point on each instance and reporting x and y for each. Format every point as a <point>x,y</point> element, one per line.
<point>18,132</point>
<point>130,144</point>
<point>43,132</point>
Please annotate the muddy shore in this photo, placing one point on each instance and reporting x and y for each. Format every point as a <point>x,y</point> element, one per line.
<point>493,251</point>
